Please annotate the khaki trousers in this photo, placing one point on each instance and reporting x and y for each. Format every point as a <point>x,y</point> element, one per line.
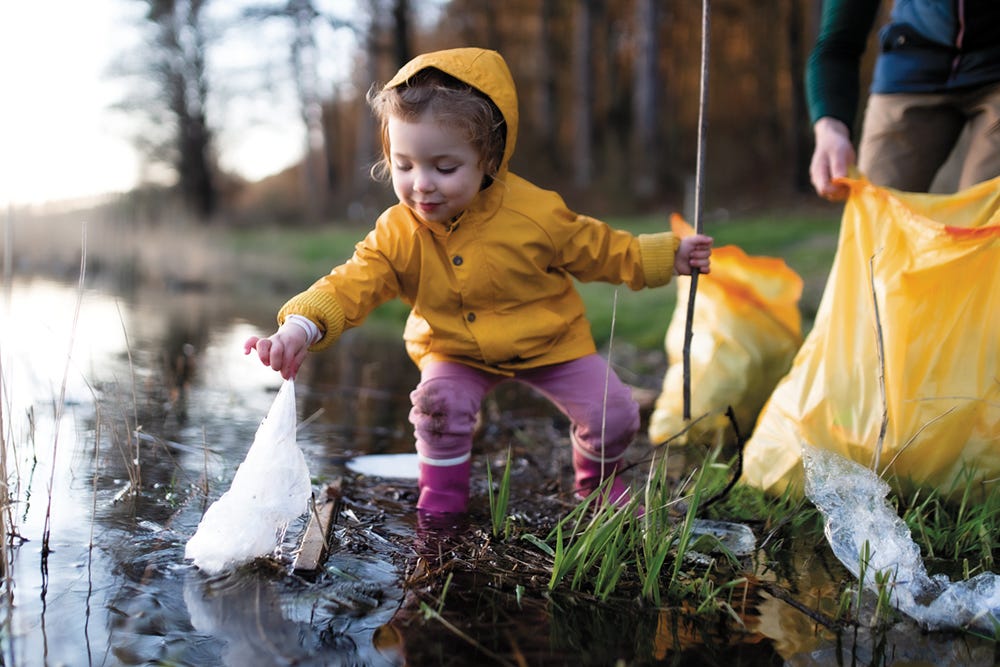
<point>907,138</point>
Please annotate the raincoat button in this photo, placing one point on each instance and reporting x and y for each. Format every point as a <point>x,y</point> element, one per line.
<point>457,260</point>
<point>471,317</point>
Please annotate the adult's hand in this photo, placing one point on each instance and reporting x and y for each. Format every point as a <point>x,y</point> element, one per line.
<point>833,156</point>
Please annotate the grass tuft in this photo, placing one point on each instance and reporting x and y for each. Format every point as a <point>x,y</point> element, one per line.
<point>499,500</point>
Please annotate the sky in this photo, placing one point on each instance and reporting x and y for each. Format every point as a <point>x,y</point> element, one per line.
<point>58,138</point>
<point>54,140</point>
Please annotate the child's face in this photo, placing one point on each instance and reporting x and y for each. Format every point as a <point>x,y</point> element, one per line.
<point>435,171</point>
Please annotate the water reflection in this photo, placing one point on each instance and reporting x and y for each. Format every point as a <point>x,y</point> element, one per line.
<point>160,407</point>
<point>362,386</point>
<point>262,619</point>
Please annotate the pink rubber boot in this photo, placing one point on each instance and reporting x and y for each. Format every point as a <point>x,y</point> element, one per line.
<point>588,477</point>
<point>444,489</point>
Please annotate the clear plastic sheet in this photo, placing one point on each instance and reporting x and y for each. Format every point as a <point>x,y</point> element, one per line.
<point>271,488</point>
<point>737,538</point>
<point>853,502</point>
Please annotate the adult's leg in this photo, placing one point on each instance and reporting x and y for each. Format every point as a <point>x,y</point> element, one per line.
<point>604,417</point>
<point>906,138</point>
<point>982,161</point>
<point>444,409</point>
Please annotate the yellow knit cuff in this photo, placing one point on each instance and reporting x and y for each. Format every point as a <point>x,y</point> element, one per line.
<point>658,252</point>
<point>323,309</point>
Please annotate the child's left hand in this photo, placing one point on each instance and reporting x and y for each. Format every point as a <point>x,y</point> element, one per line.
<point>694,252</point>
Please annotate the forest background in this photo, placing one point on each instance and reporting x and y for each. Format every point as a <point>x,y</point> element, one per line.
<point>608,93</point>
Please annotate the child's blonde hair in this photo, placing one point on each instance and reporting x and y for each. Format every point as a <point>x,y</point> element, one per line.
<point>450,102</point>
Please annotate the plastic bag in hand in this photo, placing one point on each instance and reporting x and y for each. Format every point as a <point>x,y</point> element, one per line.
<point>270,489</point>
<point>931,265</point>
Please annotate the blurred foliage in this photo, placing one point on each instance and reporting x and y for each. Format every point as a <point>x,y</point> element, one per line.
<point>608,93</point>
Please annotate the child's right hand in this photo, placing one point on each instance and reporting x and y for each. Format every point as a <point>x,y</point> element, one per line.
<point>695,252</point>
<point>284,350</point>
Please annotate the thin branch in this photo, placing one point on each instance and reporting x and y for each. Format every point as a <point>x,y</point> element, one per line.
<point>740,443</point>
<point>880,348</point>
<point>684,430</point>
<point>607,376</point>
<point>699,198</point>
<point>47,527</point>
<point>913,439</point>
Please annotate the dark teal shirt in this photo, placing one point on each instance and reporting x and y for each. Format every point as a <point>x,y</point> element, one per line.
<point>928,46</point>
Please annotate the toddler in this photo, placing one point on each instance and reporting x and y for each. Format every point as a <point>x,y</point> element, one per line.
<point>486,261</point>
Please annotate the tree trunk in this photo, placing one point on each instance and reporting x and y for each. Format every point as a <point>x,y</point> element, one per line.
<point>401,22</point>
<point>547,87</point>
<point>365,146</point>
<point>315,172</point>
<point>800,23</point>
<point>188,89</point>
<point>645,100</point>
<point>584,103</point>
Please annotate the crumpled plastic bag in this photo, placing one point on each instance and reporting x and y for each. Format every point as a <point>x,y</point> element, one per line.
<point>932,263</point>
<point>852,500</point>
<point>746,330</point>
<point>271,488</point>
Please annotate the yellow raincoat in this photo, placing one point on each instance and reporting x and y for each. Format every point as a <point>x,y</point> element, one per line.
<point>494,288</point>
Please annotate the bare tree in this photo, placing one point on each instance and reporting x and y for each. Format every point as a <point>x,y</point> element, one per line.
<point>386,43</point>
<point>645,98</point>
<point>303,16</point>
<point>602,82</point>
<point>547,93</point>
<point>401,33</point>
<point>174,66</point>
<point>583,77</point>
<point>365,148</point>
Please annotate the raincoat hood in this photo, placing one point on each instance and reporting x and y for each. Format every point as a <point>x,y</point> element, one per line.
<point>484,70</point>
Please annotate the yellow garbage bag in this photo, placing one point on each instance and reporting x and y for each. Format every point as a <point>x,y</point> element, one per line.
<point>931,264</point>
<point>746,331</point>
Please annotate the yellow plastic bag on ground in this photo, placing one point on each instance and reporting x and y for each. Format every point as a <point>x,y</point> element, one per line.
<point>931,263</point>
<point>746,330</point>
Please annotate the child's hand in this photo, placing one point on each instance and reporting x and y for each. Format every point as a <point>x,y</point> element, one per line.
<point>694,253</point>
<point>283,351</point>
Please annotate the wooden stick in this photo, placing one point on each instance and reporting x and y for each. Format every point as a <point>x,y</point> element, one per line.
<point>313,549</point>
<point>699,197</point>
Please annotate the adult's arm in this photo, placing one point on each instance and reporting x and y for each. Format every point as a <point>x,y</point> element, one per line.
<point>833,68</point>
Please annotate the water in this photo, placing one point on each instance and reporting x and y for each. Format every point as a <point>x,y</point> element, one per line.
<point>115,589</point>
<point>171,367</point>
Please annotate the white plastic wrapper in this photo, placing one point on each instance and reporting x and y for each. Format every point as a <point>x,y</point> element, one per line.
<point>853,502</point>
<point>270,489</point>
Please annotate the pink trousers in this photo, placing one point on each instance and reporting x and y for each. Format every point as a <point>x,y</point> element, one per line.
<point>599,405</point>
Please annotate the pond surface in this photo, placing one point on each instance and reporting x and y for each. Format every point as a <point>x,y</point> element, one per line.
<point>126,415</point>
